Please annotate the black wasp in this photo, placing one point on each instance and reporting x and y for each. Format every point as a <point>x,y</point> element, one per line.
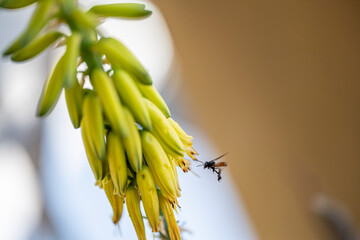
<point>215,166</point>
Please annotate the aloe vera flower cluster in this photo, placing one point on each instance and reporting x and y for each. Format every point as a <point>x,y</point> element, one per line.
<point>132,144</point>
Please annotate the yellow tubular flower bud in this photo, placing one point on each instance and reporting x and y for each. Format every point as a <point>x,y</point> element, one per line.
<point>110,101</point>
<point>164,130</point>
<point>119,56</point>
<point>168,195</point>
<point>36,46</point>
<point>74,99</point>
<point>117,163</point>
<point>159,165</point>
<point>182,134</point>
<point>94,126</point>
<point>116,201</point>
<point>185,139</point>
<point>43,13</point>
<point>173,166</point>
<point>132,144</point>
<point>166,147</point>
<point>51,90</point>
<point>150,92</point>
<point>149,197</point>
<point>168,212</point>
<point>71,58</point>
<point>99,168</point>
<point>133,207</point>
<point>132,97</point>
<point>123,10</point>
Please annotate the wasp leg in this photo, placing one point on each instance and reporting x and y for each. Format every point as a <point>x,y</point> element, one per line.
<point>218,170</point>
<point>219,175</point>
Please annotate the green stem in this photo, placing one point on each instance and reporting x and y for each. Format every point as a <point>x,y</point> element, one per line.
<point>77,23</point>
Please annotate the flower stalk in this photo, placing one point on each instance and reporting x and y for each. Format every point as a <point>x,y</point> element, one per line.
<point>132,144</point>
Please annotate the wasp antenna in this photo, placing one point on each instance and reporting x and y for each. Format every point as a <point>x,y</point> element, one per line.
<point>194,173</point>
<point>199,165</point>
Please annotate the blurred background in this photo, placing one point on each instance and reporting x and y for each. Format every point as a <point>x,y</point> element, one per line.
<point>275,83</point>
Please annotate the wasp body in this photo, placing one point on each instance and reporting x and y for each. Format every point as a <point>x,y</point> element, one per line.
<point>215,166</point>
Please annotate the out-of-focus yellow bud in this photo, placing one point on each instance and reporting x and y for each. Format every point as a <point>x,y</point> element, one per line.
<point>132,97</point>
<point>164,131</point>
<point>132,144</point>
<point>149,197</point>
<point>159,165</point>
<point>94,123</point>
<point>167,210</point>
<point>99,168</point>
<point>110,101</point>
<point>123,10</point>
<point>117,163</point>
<point>116,201</point>
<point>133,207</point>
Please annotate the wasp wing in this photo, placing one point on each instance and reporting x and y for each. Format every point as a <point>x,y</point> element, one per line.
<point>219,157</point>
<point>221,164</point>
